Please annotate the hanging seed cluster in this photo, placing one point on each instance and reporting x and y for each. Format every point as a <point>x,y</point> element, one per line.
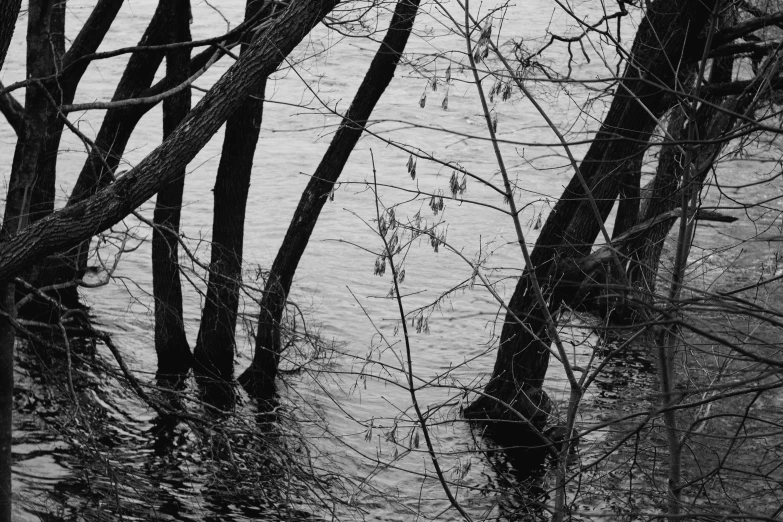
<point>457,186</point>
<point>482,47</point>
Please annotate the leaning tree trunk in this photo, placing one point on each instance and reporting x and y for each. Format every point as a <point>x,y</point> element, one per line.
<point>171,343</point>
<point>214,352</point>
<point>119,123</point>
<point>8,16</point>
<point>713,120</point>
<point>259,378</point>
<point>669,27</point>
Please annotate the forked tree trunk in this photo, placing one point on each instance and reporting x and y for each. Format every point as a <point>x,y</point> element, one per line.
<point>259,378</point>
<point>214,352</point>
<point>118,124</point>
<point>45,50</point>
<point>713,120</point>
<point>39,139</point>
<point>63,91</point>
<point>171,343</point>
<point>668,27</point>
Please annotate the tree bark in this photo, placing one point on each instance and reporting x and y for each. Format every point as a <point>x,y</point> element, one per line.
<point>259,378</point>
<point>7,337</point>
<point>670,28</point>
<point>33,173</point>
<point>62,90</point>
<point>214,352</point>
<point>171,343</point>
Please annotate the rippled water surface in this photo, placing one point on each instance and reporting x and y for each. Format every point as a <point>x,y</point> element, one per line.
<point>335,285</point>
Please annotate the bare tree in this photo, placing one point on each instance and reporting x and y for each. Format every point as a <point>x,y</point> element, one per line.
<point>259,378</point>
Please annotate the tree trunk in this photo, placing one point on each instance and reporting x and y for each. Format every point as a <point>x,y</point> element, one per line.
<point>119,123</point>
<point>8,16</point>
<point>259,378</point>
<point>68,227</point>
<point>7,336</point>
<point>39,139</point>
<point>713,120</point>
<point>669,27</point>
<point>45,48</point>
<point>171,343</point>
<point>214,353</point>
<point>63,89</point>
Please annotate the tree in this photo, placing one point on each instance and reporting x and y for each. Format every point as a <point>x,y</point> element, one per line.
<point>691,96</point>
<point>171,345</point>
<point>259,378</point>
<point>668,30</point>
<point>214,353</point>
<point>59,231</point>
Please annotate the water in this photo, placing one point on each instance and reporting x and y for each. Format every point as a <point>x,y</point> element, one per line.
<point>335,284</point>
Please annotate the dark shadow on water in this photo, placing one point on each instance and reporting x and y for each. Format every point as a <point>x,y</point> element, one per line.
<point>520,465</point>
<point>221,459</point>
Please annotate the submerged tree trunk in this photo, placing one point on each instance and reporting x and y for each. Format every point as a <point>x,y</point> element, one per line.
<point>171,343</point>
<point>45,49</point>
<point>669,27</point>
<point>259,378</point>
<point>33,175</point>
<point>214,352</point>
<point>7,337</point>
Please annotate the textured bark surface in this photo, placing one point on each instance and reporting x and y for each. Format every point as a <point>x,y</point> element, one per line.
<point>7,336</point>
<point>75,223</point>
<point>669,27</point>
<point>32,185</point>
<point>259,378</point>
<point>62,90</point>
<point>171,343</point>
<point>214,352</point>
<point>8,16</point>
<point>45,49</point>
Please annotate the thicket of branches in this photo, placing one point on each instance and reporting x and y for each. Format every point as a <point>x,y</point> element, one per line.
<point>656,263</point>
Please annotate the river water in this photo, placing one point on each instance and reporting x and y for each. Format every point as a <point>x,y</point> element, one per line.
<point>335,286</point>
